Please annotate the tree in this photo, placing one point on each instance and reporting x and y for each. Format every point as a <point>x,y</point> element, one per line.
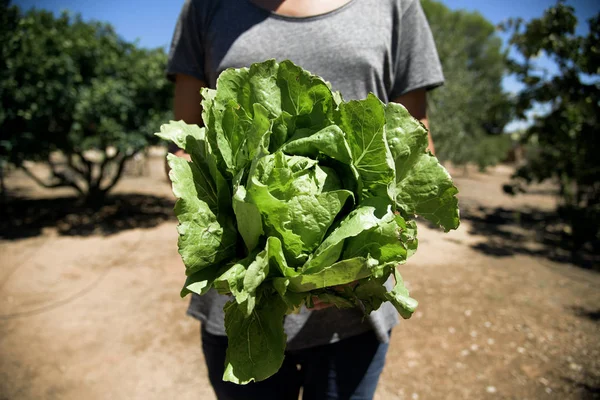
<point>8,24</point>
<point>469,112</point>
<point>78,97</point>
<point>563,142</point>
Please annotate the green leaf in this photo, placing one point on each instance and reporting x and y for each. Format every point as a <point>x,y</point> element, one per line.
<point>276,219</point>
<point>400,298</point>
<point>329,141</point>
<point>287,176</point>
<point>255,274</point>
<point>428,191</point>
<point>244,278</point>
<point>202,281</point>
<point>178,132</point>
<point>293,300</point>
<point>371,292</point>
<point>408,235</point>
<point>304,96</point>
<point>249,221</point>
<point>190,181</point>
<point>256,343</point>
<point>280,273</point>
<point>192,139</point>
<point>237,113</point>
<point>232,280</point>
<point>363,123</point>
<point>340,273</point>
<point>241,135</point>
<point>423,186</point>
<point>260,87</point>
<point>384,242</point>
<point>203,241</point>
<point>287,190</point>
<point>277,259</point>
<point>311,216</point>
<point>283,126</point>
<point>406,138</point>
<point>329,251</point>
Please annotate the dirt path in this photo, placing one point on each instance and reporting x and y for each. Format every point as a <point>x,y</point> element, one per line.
<point>97,315</point>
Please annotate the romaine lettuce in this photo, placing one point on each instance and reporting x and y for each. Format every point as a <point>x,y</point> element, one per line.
<point>291,195</point>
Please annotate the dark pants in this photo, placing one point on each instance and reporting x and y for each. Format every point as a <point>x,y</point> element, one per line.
<point>348,369</point>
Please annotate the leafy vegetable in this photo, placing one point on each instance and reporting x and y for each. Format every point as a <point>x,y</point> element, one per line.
<point>291,195</point>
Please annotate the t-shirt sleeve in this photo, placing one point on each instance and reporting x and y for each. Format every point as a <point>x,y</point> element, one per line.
<point>186,55</point>
<point>417,64</point>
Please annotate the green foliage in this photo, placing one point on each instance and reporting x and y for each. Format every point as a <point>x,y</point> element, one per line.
<point>563,143</point>
<point>298,192</point>
<point>77,89</point>
<point>471,105</point>
<point>492,150</point>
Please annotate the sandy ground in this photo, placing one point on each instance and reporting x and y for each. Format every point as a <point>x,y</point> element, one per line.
<point>89,305</point>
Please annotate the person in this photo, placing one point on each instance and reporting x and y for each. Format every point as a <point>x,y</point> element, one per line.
<point>359,46</point>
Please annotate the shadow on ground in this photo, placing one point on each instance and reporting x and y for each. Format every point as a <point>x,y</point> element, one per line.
<point>592,315</point>
<point>24,218</point>
<point>586,391</point>
<point>532,232</point>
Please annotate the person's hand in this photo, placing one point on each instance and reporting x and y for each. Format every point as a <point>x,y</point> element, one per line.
<point>179,153</point>
<point>318,304</point>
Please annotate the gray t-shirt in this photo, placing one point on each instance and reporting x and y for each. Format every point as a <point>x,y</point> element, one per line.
<point>379,46</point>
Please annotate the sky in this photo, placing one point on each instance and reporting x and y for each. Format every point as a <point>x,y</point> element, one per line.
<point>151,22</point>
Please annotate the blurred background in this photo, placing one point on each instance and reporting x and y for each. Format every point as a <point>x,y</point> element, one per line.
<point>89,269</point>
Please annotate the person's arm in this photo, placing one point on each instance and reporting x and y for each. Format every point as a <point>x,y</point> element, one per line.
<point>186,106</point>
<point>416,104</point>
<point>186,103</point>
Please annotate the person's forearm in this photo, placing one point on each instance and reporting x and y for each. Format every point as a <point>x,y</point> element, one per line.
<point>187,99</point>
<point>430,146</point>
<point>186,107</point>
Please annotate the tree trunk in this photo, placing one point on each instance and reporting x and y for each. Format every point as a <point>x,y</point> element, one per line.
<point>96,193</point>
<point>2,187</point>
<point>94,198</point>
